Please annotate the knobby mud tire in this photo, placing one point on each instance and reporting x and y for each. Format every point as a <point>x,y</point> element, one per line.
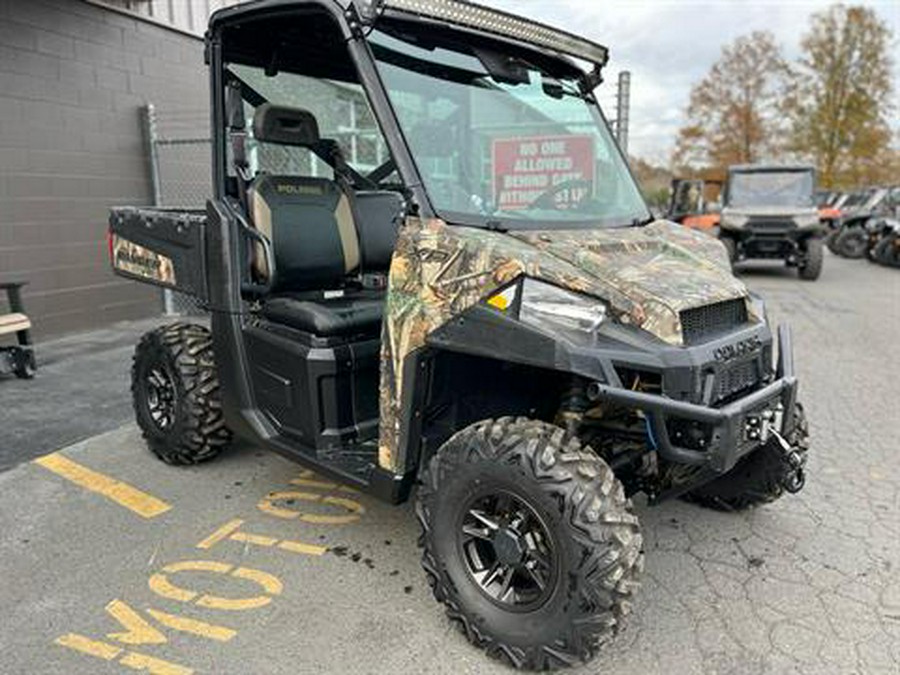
<point>852,242</point>
<point>589,517</point>
<point>198,432</point>
<point>886,251</point>
<point>811,268</point>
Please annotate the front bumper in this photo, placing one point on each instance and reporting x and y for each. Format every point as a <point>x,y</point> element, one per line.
<point>773,240</point>
<point>732,424</point>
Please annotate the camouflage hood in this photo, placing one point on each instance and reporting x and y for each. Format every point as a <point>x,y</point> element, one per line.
<point>648,273</point>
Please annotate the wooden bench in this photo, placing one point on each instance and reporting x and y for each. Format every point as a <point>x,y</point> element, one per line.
<point>18,358</point>
<point>13,323</point>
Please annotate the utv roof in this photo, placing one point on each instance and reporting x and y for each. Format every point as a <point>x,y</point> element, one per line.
<point>738,168</point>
<point>457,13</point>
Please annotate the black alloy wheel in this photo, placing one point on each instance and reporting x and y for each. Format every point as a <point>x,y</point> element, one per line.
<point>508,551</point>
<point>162,396</point>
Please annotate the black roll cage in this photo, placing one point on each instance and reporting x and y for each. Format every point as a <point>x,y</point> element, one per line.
<point>354,28</point>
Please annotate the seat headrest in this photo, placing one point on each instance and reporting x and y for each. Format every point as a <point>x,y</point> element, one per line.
<point>285,125</point>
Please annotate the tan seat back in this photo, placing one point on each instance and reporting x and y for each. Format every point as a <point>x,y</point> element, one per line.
<point>311,227</point>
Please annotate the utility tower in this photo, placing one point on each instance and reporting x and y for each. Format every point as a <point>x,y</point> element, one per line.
<point>623,109</point>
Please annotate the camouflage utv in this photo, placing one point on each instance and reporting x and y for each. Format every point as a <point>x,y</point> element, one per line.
<point>427,265</point>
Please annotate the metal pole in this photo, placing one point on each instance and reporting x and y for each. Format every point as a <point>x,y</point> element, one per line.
<point>155,184</point>
<point>623,109</point>
<point>153,152</point>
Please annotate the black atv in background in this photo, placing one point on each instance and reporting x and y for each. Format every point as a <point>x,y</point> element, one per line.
<point>852,237</point>
<point>884,241</point>
<point>829,203</point>
<point>770,213</point>
<point>848,205</point>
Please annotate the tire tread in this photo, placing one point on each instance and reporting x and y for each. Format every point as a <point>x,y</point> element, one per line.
<point>811,269</point>
<point>587,491</point>
<point>202,433</point>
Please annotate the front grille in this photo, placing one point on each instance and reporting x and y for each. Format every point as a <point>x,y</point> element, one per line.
<point>701,323</point>
<point>773,223</point>
<point>736,379</point>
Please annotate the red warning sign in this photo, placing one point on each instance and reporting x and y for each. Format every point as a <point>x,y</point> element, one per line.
<point>526,168</point>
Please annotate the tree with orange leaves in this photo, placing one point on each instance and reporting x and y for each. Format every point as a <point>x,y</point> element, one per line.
<point>734,114</point>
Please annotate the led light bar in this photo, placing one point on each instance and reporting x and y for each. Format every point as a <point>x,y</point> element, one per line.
<point>495,21</point>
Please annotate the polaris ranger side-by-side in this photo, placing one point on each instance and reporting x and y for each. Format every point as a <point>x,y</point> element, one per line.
<point>769,212</point>
<point>427,264</point>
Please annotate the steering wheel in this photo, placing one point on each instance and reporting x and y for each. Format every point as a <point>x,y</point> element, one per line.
<point>546,199</point>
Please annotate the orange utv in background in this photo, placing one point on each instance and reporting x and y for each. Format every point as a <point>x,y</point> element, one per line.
<point>829,204</point>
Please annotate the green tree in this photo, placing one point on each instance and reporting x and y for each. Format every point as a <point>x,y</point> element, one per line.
<point>734,115</point>
<point>841,100</point>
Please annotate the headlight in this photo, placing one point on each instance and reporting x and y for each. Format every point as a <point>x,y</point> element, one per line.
<point>735,221</point>
<point>550,308</point>
<point>806,221</point>
<point>759,306</point>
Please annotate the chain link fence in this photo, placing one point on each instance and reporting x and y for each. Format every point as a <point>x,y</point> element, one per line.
<point>180,151</point>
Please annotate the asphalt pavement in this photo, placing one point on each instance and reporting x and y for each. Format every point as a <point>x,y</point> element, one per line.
<point>112,562</point>
<point>81,389</point>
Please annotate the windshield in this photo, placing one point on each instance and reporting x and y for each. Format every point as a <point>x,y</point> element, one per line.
<point>856,199</point>
<point>517,148</point>
<point>875,199</point>
<point>770,188</point>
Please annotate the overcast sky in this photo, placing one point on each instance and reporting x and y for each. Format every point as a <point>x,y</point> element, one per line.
<point>670,45</point>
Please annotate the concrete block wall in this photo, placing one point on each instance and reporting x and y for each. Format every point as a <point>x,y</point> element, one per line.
<point>73,80</point>
<point>188,15</point>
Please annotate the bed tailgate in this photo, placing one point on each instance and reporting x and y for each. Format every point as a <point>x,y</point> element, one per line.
<point>164,247</point>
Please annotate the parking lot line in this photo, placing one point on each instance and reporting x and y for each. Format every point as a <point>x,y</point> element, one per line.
<point>130,497</point>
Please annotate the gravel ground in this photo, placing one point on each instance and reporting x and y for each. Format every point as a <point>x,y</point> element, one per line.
<point>809,584</point>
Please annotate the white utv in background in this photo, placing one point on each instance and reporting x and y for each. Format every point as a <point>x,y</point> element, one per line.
<point>769,212</point>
